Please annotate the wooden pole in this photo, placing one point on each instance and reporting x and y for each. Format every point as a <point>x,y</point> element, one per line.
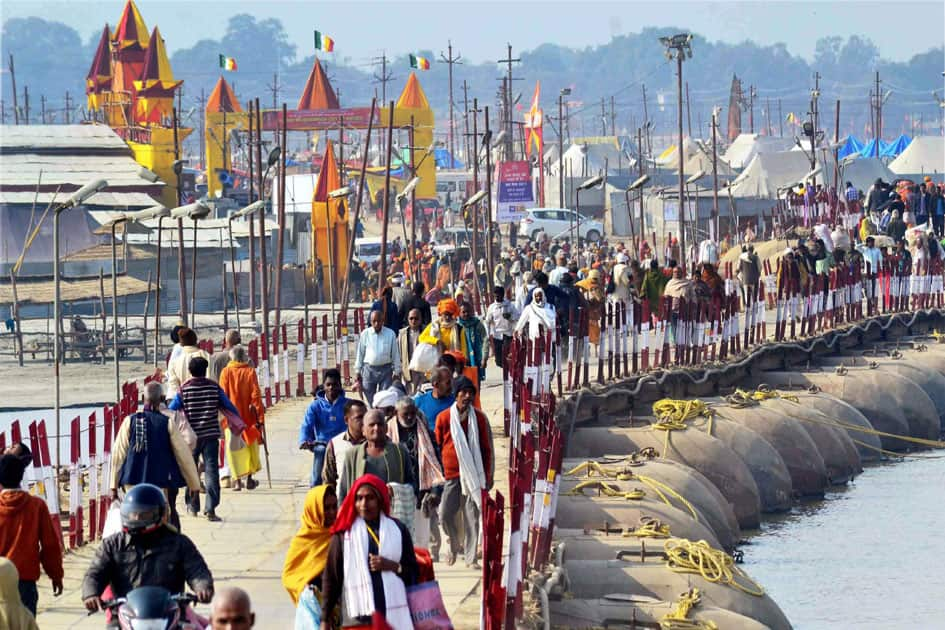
<point>144,324</point>
<point>181,272</point>
<point>252,198</point>
<point>264,302</point>
<point>382,277</point>
<point>15,314</point>
<point>280,241</point>
<point>357,207</point>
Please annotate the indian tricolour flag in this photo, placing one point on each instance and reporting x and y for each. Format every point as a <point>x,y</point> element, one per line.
<point>421,63</point>
<point>227,63</point>
<point>323,42</point>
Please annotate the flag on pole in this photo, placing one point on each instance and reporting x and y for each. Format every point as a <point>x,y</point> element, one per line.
<point>421,63</point>
<point>228,63</point>
<point>323,42</point>
<point>533,123</point>
<point>792,118</point>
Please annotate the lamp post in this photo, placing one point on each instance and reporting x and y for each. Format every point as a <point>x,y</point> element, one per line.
<point>586,185</point>
<point>678,47</point>
<point>271,161</point>
<point>564,92</point>
<point>122,218</point>
<point>408,191</point>
<point>247,211</point>
<point>636,185</point>
<point>157,287</point>
<point>178,167</point>
<point>193,211</point>
<point>78,198</point>
<point>469,203</point>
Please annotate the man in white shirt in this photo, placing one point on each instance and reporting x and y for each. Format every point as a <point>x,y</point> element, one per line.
<point>560,270</point>
<point>871,254</point>
<point>500,323</point>
<point>378,358</point>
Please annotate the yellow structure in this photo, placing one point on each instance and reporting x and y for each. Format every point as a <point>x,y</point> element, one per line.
<point>131,87</point>
<point>413,107</point>
<point>330,229</point>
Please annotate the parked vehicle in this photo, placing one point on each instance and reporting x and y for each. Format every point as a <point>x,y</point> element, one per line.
<point>452,187</point>
<point>558,223</point>
<point>428,209</point>
<point>367,249</point>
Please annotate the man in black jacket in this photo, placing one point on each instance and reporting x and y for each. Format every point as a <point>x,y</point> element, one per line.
<point>148,552</point>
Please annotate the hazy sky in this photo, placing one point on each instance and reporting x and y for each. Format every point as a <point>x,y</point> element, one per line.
<point>480,30</point>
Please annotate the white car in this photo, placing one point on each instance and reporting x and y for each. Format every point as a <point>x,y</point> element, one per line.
<point>558,223</point>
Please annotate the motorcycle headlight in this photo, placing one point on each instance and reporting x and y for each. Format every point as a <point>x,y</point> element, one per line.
<point>149,624</point>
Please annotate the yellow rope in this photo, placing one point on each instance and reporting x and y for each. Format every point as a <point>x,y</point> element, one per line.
<point>659,488</point>
<point>714,565</point>
<point>672,413</point>
<point>649,527</point>
<point>678,617</point>
<point>937,336</point>
<point>607,490</point>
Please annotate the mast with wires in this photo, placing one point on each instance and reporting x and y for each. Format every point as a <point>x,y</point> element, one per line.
<point>450,60</point>
<point>385,77</point>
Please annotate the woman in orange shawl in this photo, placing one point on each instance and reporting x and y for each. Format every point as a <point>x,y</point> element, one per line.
<point>308,553</point>
<point>238,381</point>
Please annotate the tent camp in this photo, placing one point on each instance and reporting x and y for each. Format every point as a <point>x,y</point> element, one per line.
<point>748,145</point>
<point>701,160</point>
<point>768,172</point>
<point>925,155</point>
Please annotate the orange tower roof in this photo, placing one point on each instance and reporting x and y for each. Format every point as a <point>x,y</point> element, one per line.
<point>318,93</point>
<point>156,73</point>
<point>222,99</point>
<point>329,178</point>
<point>100,74</point>
<point>131,31</point>
<point>413,97</point>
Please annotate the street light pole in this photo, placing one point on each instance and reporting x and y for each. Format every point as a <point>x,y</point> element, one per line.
<point>79,197</point>
<point>678,48</point>
<point>564,92</point>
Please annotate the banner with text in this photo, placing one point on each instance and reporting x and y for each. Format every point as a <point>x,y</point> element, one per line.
<point>514,188</point>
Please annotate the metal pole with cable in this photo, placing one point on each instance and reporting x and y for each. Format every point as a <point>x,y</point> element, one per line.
<point>679,47</point>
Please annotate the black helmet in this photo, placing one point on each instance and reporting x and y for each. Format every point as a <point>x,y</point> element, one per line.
<point>143,509</point>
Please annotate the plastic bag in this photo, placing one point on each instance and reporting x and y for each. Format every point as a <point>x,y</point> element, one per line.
<point>112,520</point>
<point>841,239</point>
<point>424,357</point>
<point>427,610</point>
<point>308,614</point>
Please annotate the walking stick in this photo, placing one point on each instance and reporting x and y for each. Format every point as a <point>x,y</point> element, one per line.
<point>265,448</point>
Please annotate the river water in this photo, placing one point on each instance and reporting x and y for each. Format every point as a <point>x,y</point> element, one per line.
<point>868,556</point>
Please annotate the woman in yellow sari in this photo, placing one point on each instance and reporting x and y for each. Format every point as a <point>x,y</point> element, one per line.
<point>308,554</point>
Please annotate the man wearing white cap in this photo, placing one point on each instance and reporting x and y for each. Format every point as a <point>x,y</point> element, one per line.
<point>622,279</point>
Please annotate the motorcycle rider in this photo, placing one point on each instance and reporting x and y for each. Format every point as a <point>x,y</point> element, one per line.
<point>148,552</point>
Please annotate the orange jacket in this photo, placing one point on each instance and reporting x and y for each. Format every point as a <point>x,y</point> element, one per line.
<point>27,536</point>
<point>448,451</point>
<point>238,381</point>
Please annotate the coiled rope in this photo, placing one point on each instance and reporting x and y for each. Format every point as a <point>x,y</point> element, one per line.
<point>714,565</point>
<point>678,617</point>
<point>607,489</point>
<point>649,527</point>
<point>659,488</point>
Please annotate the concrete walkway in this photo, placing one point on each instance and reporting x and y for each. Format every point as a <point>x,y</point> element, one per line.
<point>248,547</point>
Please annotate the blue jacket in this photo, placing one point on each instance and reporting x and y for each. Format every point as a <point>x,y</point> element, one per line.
<point>323,420</point>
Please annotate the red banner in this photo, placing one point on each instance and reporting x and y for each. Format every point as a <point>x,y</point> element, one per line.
<point>312,119</point>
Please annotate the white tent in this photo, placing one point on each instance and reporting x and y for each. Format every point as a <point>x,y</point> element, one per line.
<point>925,155</point>
<point>588,159</point>
<point>670,157</point>
<point>767,172</point>
<point>701,160</point>
<point>748,145</point>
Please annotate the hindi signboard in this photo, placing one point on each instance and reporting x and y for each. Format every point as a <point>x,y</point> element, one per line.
<point>514,191</point>
<point>313,119</point>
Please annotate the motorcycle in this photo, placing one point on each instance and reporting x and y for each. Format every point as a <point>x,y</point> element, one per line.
<point>155,608</point>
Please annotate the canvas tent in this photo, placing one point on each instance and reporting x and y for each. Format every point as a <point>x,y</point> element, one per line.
<point>670,157</point>
<point>925,155</point>
<point>748,145</point>
<point>701,160</point>
<point>586,159</point>
<point>768,172</point>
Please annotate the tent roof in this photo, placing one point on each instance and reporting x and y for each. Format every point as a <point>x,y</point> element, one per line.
<point>100,74</point>
<point>222,98</point>
<point>925,155</point>
<point>413,97</point>
<point>670,157</point>
<point>850,146</point>
<point>701,160</point>
<point>157,73</point>
<point>329,178</point>
<point>131,31</point>
<point>318,93</point>
<point>767,172</point>
<point>747,145</point>
<point>595,157</point>
<point>42,291</point>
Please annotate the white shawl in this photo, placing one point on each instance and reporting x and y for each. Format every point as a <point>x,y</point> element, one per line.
<point>472,475</point>
<point>534,316</point>
<point>358,593</point>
